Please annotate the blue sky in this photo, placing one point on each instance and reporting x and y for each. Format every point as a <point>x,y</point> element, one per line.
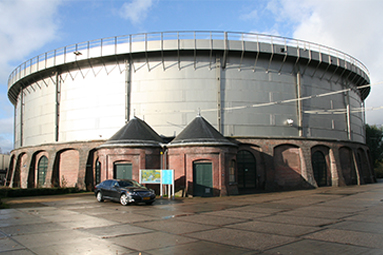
<point>32,27</point>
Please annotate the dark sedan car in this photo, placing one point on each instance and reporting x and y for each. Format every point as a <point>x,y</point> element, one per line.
<point>125,191</point>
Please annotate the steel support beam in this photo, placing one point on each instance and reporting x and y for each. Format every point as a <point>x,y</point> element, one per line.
<point>57,106</point>
<point>299,104</point>
<point>219,95</point>
<point>128,78</point>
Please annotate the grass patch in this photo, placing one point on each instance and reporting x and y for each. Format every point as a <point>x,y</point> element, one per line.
<point>3,205</point>
<point>379,170</point>
<point>6,192</point>
<point>17,192</point>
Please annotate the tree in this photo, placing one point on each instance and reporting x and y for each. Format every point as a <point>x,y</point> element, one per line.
<point>374,140</point>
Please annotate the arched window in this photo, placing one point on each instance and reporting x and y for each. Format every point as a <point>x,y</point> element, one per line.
<point>98,172</point>
<point>232,178</point>
<point>42,170</point>
<point>319,168</point>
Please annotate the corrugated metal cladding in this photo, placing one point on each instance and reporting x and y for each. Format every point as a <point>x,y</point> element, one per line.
<point>244,88</point>
<point>277,100</point>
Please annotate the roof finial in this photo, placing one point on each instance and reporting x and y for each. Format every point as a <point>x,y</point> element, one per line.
<point>199,112</point>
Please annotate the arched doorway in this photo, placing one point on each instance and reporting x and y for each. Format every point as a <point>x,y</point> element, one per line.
<point>42,171</point>
<point>16,183</point>
<point>347,165</point>
<point>10,171</point>
<point>89,176</point>
<point>319,165</point>
<point>31,183</point>
<point>363,166</point>
<point>247,174</point>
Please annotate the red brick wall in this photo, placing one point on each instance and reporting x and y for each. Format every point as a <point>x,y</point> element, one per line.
<point>271,162</point>
<point>181,160</point>
<point>287,166</point>
<point>140,158</point>
<point>23,171</point>
<point>68,168</point>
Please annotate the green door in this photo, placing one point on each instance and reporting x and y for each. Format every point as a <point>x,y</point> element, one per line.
<point>202,179</point>
<point>123,171</point>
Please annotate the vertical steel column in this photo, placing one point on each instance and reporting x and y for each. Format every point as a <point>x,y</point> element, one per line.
<point>348,115</point>
<point>299,104</point>
<point>21,115</point>
<point>219,95</point>
<point>364,120</point>
<point>14,126</point>
<point>128,76</point>
<point>57,107</point>
<point>225,50</point>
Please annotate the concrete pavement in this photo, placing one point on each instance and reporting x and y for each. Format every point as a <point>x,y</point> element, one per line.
<point>344,220</point>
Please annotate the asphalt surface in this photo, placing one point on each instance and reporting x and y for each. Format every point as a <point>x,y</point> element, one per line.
<point>344,220</point>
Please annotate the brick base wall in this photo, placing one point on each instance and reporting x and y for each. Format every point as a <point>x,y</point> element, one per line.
<point>280,163</point>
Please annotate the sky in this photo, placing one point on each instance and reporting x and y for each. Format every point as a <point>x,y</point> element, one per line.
<point>32,27</point>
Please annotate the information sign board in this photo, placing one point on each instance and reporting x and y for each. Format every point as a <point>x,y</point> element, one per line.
<point>167,177</point>
<point>163,177</point>
<point>150,176</point>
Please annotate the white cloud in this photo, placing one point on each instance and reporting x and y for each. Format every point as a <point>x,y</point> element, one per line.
<point>136,10</point>
<point>353,27</point>
<point>289,11</point>
<point>251,15</point>
<point>25,26</point>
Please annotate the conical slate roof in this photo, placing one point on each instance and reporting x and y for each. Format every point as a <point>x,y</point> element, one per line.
<point>135,133</point>
<point>200,132</point>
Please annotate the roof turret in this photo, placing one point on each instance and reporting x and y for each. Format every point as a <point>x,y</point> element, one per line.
<point>135,133</point>
<point>200,132</point>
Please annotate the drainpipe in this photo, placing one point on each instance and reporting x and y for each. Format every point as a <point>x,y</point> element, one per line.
<point>164,153</point>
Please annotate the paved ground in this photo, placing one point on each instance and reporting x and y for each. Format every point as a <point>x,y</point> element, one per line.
<point>347,220</point>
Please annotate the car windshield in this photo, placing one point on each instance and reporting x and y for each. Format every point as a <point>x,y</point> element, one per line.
<point>130,183</point>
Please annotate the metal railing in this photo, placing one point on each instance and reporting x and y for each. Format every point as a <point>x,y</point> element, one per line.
<point>123,45</point>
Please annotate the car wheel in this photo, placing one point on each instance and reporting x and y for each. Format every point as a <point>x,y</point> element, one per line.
<point>100,197</point>
<point>124,199</point>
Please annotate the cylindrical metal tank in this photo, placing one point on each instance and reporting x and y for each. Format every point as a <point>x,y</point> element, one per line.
<point>244,84</point>
<point>248,86</point>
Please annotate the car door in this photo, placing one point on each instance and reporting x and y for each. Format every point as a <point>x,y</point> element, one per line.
<point>114,190</point>
<point>105,188</point>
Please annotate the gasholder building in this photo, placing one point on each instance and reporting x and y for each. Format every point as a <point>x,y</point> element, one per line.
<point>230,112</point>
